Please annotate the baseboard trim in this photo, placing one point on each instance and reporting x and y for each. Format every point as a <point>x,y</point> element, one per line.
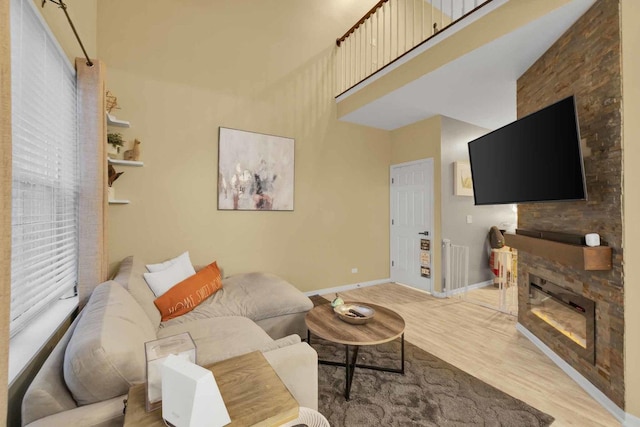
<point>439,294</point>
<point>344,288</point>
<point>631,420</point>
<point>591,390</point>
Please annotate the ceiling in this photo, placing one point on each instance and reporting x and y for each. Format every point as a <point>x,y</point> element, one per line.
<point>479,87</point>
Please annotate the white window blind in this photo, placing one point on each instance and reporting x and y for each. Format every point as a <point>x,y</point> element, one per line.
<point>45,167</point>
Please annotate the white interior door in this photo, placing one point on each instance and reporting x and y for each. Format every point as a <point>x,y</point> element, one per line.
<point>412,224</point>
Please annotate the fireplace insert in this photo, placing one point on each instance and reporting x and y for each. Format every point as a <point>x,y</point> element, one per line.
<point>568,315</point>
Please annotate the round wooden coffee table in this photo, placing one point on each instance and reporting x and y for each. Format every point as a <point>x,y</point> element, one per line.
<point>386,325</point>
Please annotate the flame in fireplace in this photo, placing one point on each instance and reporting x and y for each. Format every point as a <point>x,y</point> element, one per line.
<point>581,341</point>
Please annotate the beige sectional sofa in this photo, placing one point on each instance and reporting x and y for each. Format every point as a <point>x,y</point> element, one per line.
<point>86,378</point>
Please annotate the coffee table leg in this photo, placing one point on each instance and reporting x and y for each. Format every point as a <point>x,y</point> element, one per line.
<point>351,365</point>
<point>350,368</point>
<point>386,369</point>
<point>402,353</point>
<point>347,379</point>
<point>309,337</point>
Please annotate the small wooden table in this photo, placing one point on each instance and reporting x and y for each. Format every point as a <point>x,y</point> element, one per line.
<point>252,392</point>
<point>385,326</point>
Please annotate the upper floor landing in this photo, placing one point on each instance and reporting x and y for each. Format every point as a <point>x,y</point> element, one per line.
<point>467,70</point>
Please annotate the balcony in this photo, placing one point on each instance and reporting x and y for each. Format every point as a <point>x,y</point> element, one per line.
<point>394,68</point>
<point>391,29</point>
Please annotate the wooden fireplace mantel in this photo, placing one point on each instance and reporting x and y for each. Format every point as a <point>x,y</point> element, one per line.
<point>577,256</point>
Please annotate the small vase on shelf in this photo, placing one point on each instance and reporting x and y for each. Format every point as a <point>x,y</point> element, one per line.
<point>112,151</point>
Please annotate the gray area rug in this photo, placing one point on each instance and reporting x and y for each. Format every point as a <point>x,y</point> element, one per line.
<point>430,393</point>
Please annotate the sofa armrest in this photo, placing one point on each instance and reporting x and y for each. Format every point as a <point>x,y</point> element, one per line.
<point>282,342</point>
<point>297,367</point>
<point>48,393</point>
<point>107,413</point>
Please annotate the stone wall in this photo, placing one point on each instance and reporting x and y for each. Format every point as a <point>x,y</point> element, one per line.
<point>584,62</point>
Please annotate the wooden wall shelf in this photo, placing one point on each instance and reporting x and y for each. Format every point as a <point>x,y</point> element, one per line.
<point>577,256</point>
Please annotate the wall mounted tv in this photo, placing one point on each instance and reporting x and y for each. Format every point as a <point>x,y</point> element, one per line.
<point>534,159</point>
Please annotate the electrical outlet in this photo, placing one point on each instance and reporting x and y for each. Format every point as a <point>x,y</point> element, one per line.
<point>354,270</point>
<point>373,42</point>
<point>469,219</point>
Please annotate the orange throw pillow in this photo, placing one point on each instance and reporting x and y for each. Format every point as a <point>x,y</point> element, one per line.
<point>186,295</point>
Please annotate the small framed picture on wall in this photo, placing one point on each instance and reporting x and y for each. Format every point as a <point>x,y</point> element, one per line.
<point>463,184</point>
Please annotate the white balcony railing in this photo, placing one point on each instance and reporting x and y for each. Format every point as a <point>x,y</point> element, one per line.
<point>391,29</point>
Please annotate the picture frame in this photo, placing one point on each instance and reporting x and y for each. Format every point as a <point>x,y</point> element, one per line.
<point>255,171</point>
<point>462,179</point>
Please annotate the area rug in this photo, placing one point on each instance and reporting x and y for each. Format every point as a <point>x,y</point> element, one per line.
<point>430,393</point>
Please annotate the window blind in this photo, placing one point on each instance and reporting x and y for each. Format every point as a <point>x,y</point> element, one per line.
<point>44,249</point>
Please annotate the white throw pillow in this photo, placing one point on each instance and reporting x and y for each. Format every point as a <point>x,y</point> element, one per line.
<point>161,281</point>
<point>182,259</point>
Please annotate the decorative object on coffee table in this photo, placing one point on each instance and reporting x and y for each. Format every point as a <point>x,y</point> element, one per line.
<point>337,301</point>
<point>356,314</point>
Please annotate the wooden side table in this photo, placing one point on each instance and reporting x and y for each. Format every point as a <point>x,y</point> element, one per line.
<point>252,392</point>
<point>386,325</point>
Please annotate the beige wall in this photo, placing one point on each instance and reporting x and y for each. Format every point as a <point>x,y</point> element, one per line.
<point>421,140</point>
<point>84,14</point>
<point>630,10</point>
<point>180,70</point>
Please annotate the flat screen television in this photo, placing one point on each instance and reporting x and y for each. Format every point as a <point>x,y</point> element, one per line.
<point>534,159</point>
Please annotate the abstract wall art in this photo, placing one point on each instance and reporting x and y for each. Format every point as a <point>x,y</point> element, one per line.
<point>255,171</point>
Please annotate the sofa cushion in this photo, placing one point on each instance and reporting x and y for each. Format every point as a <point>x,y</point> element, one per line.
<point>130,275</point>
<point>183,260</point>
<point>220,338</point>
<point>105,355</point>
<point>186,295</point>
<point>254,295</point>
<point>163,280</point>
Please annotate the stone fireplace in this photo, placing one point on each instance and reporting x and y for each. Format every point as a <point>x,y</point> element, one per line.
<point>584,62</point>
<point>598,356</point>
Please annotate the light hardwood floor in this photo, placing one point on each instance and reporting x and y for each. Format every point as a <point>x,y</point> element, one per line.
<point>489,296</point>
<point>486,344</point>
